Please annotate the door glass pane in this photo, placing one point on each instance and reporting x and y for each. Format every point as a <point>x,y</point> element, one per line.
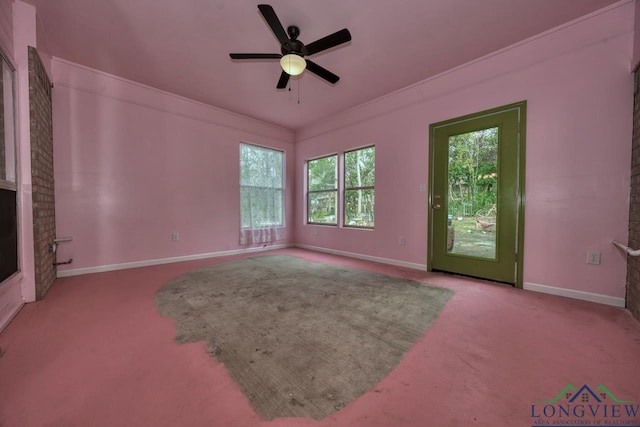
<point>472,193</point>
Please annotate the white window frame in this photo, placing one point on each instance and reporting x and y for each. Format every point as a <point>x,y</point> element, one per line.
<point>8,180</point>
<point>333,191</point>
<point>274,224</point>
<point>345,189</point>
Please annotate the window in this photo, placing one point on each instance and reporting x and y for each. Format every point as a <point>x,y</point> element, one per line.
<point>8,189</point>
<point>261,188</point>
<point>322,190</point>
<point>358,188</point>
<point>359,191</point>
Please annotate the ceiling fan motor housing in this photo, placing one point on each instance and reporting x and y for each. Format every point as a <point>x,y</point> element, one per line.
<point>293,45</point>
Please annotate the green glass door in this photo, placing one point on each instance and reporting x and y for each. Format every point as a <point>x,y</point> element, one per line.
<point>475,194</point>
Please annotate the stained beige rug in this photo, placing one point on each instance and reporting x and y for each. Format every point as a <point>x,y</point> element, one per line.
<point>303,339</point>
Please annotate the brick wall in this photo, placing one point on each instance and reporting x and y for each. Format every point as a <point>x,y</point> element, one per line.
<point>633,263</point>
<point>44,220</point>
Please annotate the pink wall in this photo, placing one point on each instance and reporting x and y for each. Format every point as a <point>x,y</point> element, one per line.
<point>636,39</point>
<point>42,43</point>
<point>579,90</point>
<point>134,165</point>
<point>6,27</point>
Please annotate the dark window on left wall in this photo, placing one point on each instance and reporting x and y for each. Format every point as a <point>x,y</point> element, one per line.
<point>8,189</point>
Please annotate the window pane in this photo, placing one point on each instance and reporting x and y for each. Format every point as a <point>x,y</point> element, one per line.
<point>358,208</point>
<point>261,207</point>
<point>322,174</point>
<point>261,187</point>
<point>7,130</point>
<point>8,200</point>
<point>3,119</point>
<point>261,166</point>
<point>360,168</point>
<point>8,234</point>
<point>322,207</point>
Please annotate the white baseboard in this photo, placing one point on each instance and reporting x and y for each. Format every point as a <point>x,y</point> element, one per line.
<point>571,293</point>
<point>147,263</point>
<point>395,262</point>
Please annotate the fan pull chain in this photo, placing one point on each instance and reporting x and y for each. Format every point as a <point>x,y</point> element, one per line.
<point>298,91</point>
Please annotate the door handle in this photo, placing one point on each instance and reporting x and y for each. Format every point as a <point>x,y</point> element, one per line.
<point>436,206</point>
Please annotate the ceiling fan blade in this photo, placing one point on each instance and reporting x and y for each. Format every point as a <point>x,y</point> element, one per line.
<point>273,21</point>
<point>322,72</point>
<point>255,55</point>
<point>328,42</point>
<point>284,79</point>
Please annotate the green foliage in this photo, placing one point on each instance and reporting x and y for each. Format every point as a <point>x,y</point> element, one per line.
<point>473,171</point>
<point>359,194</point>
<point>322,207</point>
<point>358,209</point>
<point>323,173</point>
<point>322,202</point>
<point>360,168</point>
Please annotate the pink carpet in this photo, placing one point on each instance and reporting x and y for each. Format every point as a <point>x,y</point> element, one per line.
<point>96,352</point>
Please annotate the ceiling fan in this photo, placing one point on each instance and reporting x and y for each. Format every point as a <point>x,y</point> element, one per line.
<point>293,50</point>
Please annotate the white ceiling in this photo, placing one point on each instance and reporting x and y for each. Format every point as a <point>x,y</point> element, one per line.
<point>183,46</point>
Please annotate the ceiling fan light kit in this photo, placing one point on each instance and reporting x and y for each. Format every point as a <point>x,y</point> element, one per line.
<point>293,50</point>
<point>293,64</point>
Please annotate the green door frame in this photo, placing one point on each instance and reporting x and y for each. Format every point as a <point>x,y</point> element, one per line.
<point>520,108</point>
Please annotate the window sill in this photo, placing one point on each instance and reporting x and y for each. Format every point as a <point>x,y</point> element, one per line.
<point>14,278</point>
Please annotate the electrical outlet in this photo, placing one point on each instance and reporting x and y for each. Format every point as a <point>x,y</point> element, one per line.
<point>593,258</point>
<point>402,240</point>
<point>175,236</point>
